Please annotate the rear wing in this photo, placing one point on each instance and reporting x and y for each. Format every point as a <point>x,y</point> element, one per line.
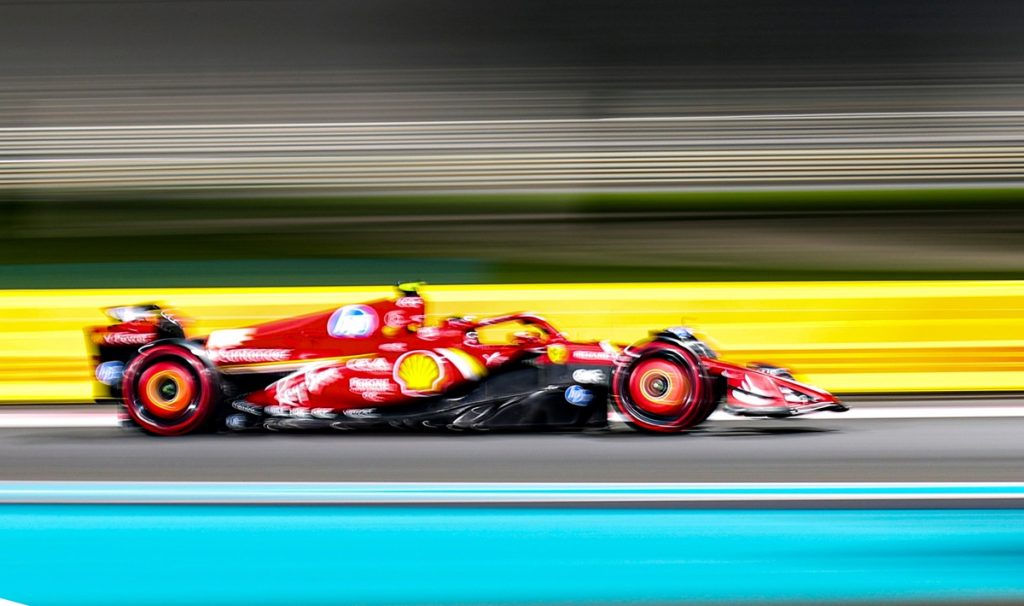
<point>111,347</point>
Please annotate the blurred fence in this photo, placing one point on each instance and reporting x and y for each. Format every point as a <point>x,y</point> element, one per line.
<point>814,149</point>
<point>849,337</point>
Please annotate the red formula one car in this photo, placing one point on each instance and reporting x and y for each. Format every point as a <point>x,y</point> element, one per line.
<point>377,365</point>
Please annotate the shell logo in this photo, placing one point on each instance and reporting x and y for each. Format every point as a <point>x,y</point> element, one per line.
<point>558,354</point>
<point>419,372</point>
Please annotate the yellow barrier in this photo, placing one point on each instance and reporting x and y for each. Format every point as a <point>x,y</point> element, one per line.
<point>849,337</point>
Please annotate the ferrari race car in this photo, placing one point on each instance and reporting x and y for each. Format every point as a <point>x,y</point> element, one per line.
<point>378,365</point>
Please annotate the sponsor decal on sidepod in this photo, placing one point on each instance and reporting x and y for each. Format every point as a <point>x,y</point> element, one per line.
<point>248,356</point>
<point>353,321</point>
<point>379,365</point>
<point>295,389</point>
<point>419,373</point>
<point>128,338</point>
<point>110,373</point>
<point>578,396</point>
<point>359,384</point>
<point>394,319</point>
<point>316,379</point>
<point>587,375</point>
<point>586,354</point>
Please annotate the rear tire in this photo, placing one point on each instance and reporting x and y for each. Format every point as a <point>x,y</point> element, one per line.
<point>170,391</point>
<point>665,389</point>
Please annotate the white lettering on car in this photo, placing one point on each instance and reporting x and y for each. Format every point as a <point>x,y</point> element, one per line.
<point>586,354</point>
<point>128,338</point>
<point>359,384</point>
<point>361,413</point>
<point>588,376</point>
<point>248,356</point>
<point>394,319</point>
<point>296,388</point>
<point>316,379</point>
<point>380,365</point>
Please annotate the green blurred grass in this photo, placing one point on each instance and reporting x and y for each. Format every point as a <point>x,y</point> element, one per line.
<point>166,240</point>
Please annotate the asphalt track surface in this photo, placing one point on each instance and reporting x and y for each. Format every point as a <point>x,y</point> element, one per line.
<point>796,450</point>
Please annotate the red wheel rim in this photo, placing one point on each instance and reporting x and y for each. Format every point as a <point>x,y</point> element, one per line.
<point>167,389</point>
<point>660,387</point>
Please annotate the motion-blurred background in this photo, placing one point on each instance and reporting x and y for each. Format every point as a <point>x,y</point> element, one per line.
<point>251,142</point>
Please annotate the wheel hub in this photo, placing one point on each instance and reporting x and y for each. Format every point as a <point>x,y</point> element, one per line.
<point>660,387</point>
<point>167,391</point>
<point>657,386</point>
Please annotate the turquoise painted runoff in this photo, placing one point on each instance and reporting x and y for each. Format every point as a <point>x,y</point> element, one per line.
<point>328,554</point>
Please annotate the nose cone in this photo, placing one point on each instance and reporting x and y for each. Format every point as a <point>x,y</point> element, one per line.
<point>763,391</point>
<point>837,406</point>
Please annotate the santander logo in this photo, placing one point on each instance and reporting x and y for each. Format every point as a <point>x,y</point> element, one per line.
<point>249,356</point>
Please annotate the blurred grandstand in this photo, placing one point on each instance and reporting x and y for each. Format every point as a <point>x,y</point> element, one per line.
<point>401,96</point>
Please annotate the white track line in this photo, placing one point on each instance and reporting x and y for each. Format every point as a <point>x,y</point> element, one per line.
<point>513,492</point>
<point>84,418</point>
<point>78,418</point>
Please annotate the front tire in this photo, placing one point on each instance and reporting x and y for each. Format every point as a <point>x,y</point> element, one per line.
<point>170,391</point>
<point>665,389</point>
